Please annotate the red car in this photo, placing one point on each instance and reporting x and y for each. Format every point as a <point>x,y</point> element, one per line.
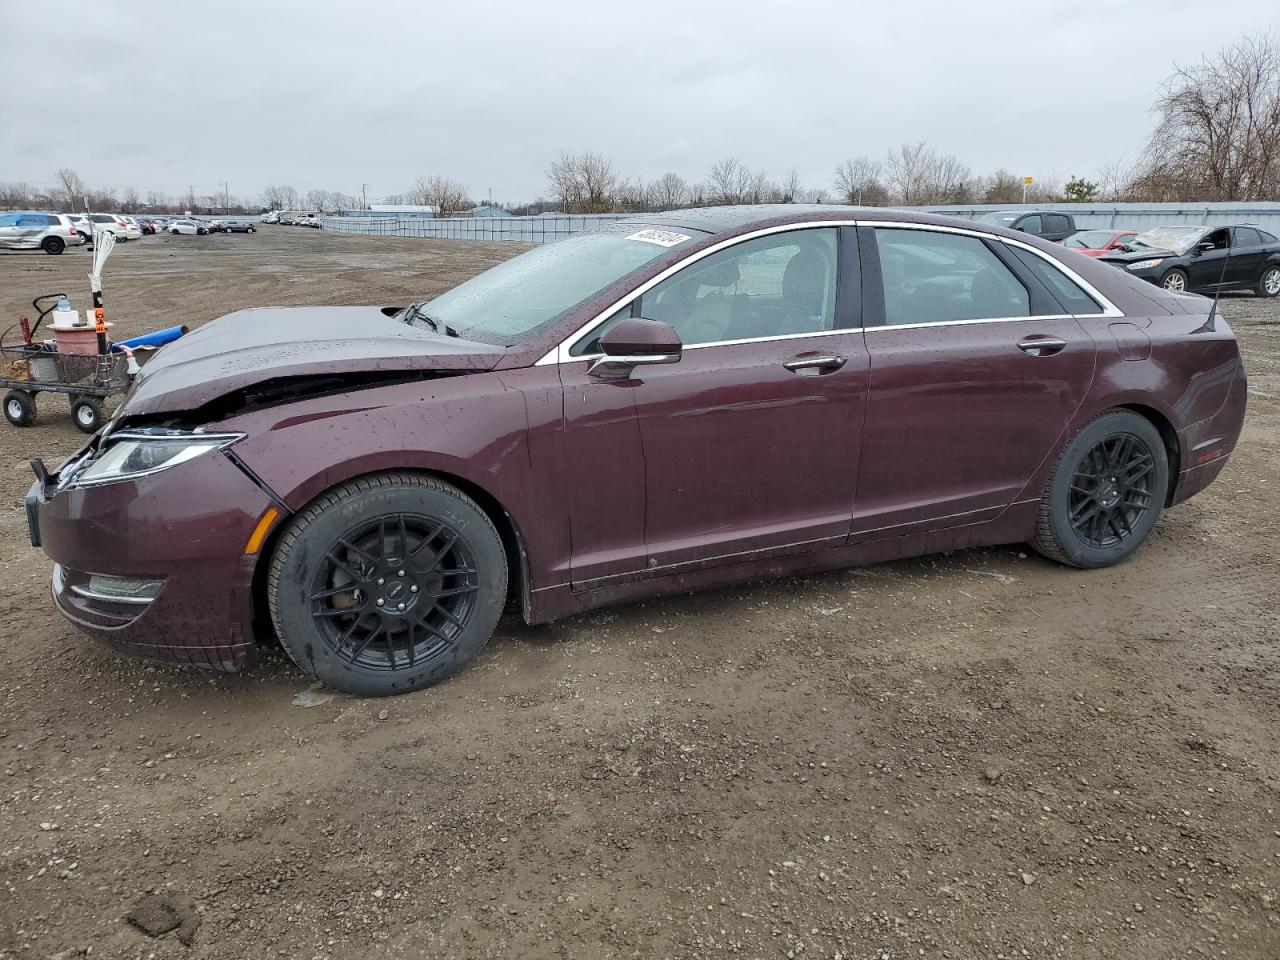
<point>1094,243</point>
<point>668,404</point>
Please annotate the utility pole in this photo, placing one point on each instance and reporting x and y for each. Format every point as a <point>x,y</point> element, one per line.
<point>364,195</point>
<point>226,197</point>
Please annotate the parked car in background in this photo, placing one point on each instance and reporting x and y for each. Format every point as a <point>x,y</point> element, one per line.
<point>1203,259</point>
<point>132,227</point>
<point>216,225</point>
<point>240,226</point>
<point>272,216</point>
<point>1045,224</point>
<point>110,223</point>
<point>308,221</point>
<point>148,226</point>
<point>672,402</point>
<point>187,227</point>
<point>82,225</point>
<point>32,230</point>
<point>1094,243</point>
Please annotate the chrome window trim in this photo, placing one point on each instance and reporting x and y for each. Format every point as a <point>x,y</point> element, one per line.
<point>560,353</point>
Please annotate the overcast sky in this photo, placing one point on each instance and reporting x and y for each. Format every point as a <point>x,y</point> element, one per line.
<point>330,94</point>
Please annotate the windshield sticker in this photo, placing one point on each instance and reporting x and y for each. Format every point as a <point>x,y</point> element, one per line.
<point>663,238</point>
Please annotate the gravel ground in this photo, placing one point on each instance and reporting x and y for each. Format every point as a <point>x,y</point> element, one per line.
<point>974,755</point>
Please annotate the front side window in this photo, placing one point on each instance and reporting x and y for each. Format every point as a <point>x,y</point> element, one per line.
<point>32,220</point>
<point>777,285</point>
<point>8,219</point>
<point>944,277</point>
<point>1069,293</point>
<point>1031,224</point>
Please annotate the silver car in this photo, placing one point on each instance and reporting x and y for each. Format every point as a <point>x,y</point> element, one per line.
<point>28,230</point>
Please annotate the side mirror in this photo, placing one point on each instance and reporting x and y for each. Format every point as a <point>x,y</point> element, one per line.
<point>635,342</point>
<point>1204,246</point>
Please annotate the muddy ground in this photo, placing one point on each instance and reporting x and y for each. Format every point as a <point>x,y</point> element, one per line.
<point>976,755</point>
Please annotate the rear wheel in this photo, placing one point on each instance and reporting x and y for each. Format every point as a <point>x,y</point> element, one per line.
<point>53,245</point>
<point>1175,281</point>
<point>87,414</point>
<point>1269,284</point>
<point>20,408</point>
<point>1106,492</point>
<point>387,584</point>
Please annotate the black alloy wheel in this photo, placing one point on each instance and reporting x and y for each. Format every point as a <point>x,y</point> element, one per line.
<point>387,584</point>
<point>1111,490</point>
<point>394,592</point>
<point>1105,493</point>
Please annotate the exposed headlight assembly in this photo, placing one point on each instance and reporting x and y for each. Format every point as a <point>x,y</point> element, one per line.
<point>1144,264</point>
<point>131,454</point>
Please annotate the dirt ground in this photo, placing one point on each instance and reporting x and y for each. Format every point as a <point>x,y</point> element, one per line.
<point>976,755</point>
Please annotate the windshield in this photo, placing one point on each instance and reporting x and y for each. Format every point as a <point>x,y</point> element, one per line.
<point>1000,217</point>
<point>1177,239</point>
<point>510,301</point>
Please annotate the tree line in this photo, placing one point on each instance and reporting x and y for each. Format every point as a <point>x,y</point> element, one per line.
<point>1216,138</point>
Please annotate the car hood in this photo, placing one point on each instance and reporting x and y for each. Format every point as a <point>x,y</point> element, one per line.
<point>1121,257</point>
<point>251,346</point>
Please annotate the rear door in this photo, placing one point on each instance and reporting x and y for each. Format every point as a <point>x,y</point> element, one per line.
<point>976,371</point>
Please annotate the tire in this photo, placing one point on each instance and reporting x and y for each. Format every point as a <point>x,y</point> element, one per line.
<point>1089,520</point>
<point>1175,281</point>
<point>20,408</point>
<point>1269,282</point>
<point>87,414</point>
<point>387,538</point>
<point>53,245</point>
<point>251,230</point>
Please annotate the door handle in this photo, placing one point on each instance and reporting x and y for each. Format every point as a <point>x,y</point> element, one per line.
<point>1039,346</point>
<point>821,364</point>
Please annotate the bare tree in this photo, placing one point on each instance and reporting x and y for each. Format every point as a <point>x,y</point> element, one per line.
<point>71,188</point>
<point>584,183</point>
<point>129,199</point>
<point>1218,131</point>
<point>791,188</point>
<point>730,181</point>
<point>447,196</point>
<point>859,181</point>
<point>917,175</point>
<point>669,191</point>
<point>1001,187</point>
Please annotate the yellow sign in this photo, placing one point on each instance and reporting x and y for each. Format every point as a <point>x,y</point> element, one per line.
<point>1028,179</point>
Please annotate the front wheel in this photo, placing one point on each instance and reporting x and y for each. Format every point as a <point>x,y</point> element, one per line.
<point>53,245</point>
<point>387,584</point>
<point>1269,284</point>
<point>20,408</point>
<point>1106,492</point>
<point>1175,281</point>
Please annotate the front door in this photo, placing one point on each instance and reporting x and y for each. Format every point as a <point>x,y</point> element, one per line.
<point>749,443</point>
<point>1206,268</point>
<point>971,390</point>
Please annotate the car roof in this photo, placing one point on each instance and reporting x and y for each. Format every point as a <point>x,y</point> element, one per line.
<point>735,218</point>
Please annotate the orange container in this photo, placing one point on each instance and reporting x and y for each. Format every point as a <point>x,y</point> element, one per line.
<point>81,340</point>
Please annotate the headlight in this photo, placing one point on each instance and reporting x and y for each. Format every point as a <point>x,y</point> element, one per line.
<point>1144,264</point>
<point>129,455</point>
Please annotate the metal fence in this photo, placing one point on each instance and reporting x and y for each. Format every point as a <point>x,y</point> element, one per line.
<point>521,229</point>
<point>544,229</point>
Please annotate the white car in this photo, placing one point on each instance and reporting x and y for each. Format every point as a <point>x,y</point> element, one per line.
<point>188,227</point>
<point>110,223</point>
<point>132,228</point>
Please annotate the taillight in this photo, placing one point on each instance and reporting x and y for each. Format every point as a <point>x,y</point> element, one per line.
<point>121,223</point>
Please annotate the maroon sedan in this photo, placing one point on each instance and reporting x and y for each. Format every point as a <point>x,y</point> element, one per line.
<point>674,402</point>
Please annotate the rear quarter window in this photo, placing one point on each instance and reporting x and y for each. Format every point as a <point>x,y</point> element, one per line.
<point>1069,293</point>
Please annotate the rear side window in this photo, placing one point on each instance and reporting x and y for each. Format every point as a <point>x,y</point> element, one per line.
<point>944,277</point>
<point>102,218</point>
<point>1247,237</point>
<point>1069,293</point>
<point>1058,223</point>
<point>54,221</point>
<point>1266,237</point>
<point>1031,224</point>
